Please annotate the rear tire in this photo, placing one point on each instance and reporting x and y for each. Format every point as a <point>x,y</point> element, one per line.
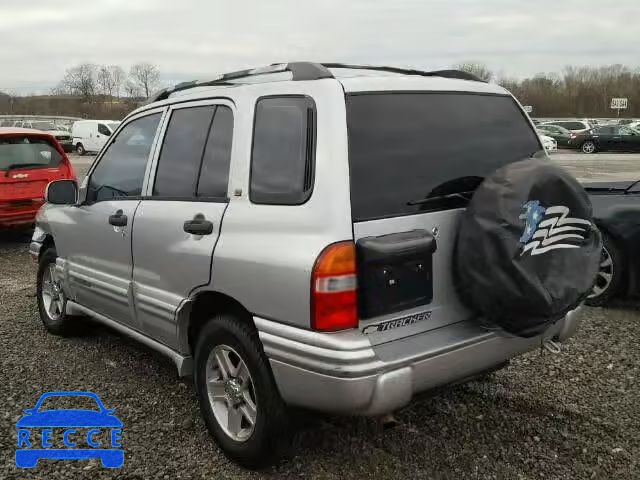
<point>51,298</point>
<point>80,150</point>
<point>588,147</point>
<point>243,386</point>
<point>610,276</point>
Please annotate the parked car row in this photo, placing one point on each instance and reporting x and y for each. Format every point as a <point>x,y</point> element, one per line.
<point>60,133</point>
<point>83,136</point>
<point>590,139</point>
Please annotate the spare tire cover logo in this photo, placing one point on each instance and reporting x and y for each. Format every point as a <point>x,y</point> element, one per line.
<point>550,228</point>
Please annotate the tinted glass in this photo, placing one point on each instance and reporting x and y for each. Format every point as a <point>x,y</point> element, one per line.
<point>283,145</point>
<point>25,152</point>
<point>606,130</point>
<point>120,172</point>
<point>404,147</point>
<point>103,130</point>
<point>182,151</point>
<point>214,175</point>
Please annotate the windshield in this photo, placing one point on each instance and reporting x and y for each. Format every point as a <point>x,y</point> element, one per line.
<point>31,152</point>
<point>408,146</point>
<point>112,126</point>
<point>68,402</point>
<point>46,126</point>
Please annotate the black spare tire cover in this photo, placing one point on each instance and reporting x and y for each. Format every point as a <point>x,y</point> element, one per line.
<point>527,250</point>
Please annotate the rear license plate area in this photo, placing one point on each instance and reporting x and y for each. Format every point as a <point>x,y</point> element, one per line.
<point>395,272</point>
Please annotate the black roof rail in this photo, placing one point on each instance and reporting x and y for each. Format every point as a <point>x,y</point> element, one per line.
<point>457,74</point>
<point>299,71</point>
<point>304,71</point>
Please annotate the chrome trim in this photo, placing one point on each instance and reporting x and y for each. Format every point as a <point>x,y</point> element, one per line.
<point>184,364</point>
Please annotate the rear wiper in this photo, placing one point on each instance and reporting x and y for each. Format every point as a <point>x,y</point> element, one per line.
<point>466,196</point>
<point>15,166</point>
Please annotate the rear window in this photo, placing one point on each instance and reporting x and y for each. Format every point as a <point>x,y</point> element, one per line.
<point>405,147</point>
<point>25,152</point>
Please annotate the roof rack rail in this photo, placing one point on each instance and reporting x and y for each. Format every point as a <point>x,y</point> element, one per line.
<point>457,74</point>
<point>299,71</point>
<point>304,71</point>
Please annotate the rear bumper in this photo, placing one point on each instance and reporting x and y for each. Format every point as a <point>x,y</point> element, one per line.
<point>12,217</point>
<point>348,375</point>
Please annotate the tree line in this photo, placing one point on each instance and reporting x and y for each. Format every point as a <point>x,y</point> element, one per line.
<point>108,91</point>
<point>90,81</point>
<point>574,92</point>
<point>91,91</point>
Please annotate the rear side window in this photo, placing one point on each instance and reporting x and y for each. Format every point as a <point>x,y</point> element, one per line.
<point>283,151</point>
<point>25,152</point>
<point>406,147</point>
<point>182,152</point>
<point>120,172</point>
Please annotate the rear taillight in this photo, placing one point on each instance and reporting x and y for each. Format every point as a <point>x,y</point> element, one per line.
<point>334,298</point>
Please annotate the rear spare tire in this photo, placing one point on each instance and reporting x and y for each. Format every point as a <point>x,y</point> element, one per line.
<point>527,250</point>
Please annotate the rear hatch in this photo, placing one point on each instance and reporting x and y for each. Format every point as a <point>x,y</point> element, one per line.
<point>415,159</point>
<point>28,163</point>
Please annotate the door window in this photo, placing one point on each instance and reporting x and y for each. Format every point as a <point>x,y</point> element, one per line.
<point>214,174</point>
<point>182,152</point>
<point>120,172</point>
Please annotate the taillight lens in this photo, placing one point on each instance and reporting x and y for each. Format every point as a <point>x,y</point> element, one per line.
<point>334,301</point>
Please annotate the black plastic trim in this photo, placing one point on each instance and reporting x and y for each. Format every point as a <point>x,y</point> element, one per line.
<point>455,74</point>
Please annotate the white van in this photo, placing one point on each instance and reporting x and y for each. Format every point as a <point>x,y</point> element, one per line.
<point>91,135</point>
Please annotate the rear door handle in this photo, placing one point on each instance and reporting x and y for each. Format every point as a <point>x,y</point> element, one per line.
<point>198,226</point>
<point>118,219</point>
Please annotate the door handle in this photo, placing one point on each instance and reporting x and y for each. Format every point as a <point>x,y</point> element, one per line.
<point>198,226</point>
<point>118,219</point>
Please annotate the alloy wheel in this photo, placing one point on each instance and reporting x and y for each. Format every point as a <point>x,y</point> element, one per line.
<point>605,274</point>
<point>231,393</point>
<point>51,293</point>
<point>588,147</point>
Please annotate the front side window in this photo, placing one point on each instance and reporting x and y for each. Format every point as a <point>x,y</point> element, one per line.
<point>283,151</point>
<point>182,152</point>
<point>120,172</point>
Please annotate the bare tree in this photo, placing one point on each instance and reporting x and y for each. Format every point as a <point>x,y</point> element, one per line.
<point>81,80</point>
<point>478,69</point>
<point>132,90</point>
<point>146,76</point>
<point>104,81</point>
<point>118,77</point>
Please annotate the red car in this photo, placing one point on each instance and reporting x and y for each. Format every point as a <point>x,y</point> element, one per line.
<point>29,160</point>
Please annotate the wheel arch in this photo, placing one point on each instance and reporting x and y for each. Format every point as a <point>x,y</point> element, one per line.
<point>47,244</point>
<point>195,312</point>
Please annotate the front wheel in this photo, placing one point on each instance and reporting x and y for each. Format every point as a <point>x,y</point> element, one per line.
<point>239,400</point>
<point>588,147</point>
<point>51,298</point>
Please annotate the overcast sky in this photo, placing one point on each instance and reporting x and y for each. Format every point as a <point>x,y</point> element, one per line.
<point>187,39</point>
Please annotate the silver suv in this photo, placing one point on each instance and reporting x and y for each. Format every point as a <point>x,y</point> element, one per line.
<point>247,228</point>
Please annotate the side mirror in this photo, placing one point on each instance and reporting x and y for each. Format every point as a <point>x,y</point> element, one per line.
<point>62,192</point>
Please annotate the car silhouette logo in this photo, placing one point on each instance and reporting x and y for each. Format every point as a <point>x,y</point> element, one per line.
<point>97,423</point>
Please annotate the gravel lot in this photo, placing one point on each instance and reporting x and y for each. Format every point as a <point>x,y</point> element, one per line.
<point>569,416</point>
